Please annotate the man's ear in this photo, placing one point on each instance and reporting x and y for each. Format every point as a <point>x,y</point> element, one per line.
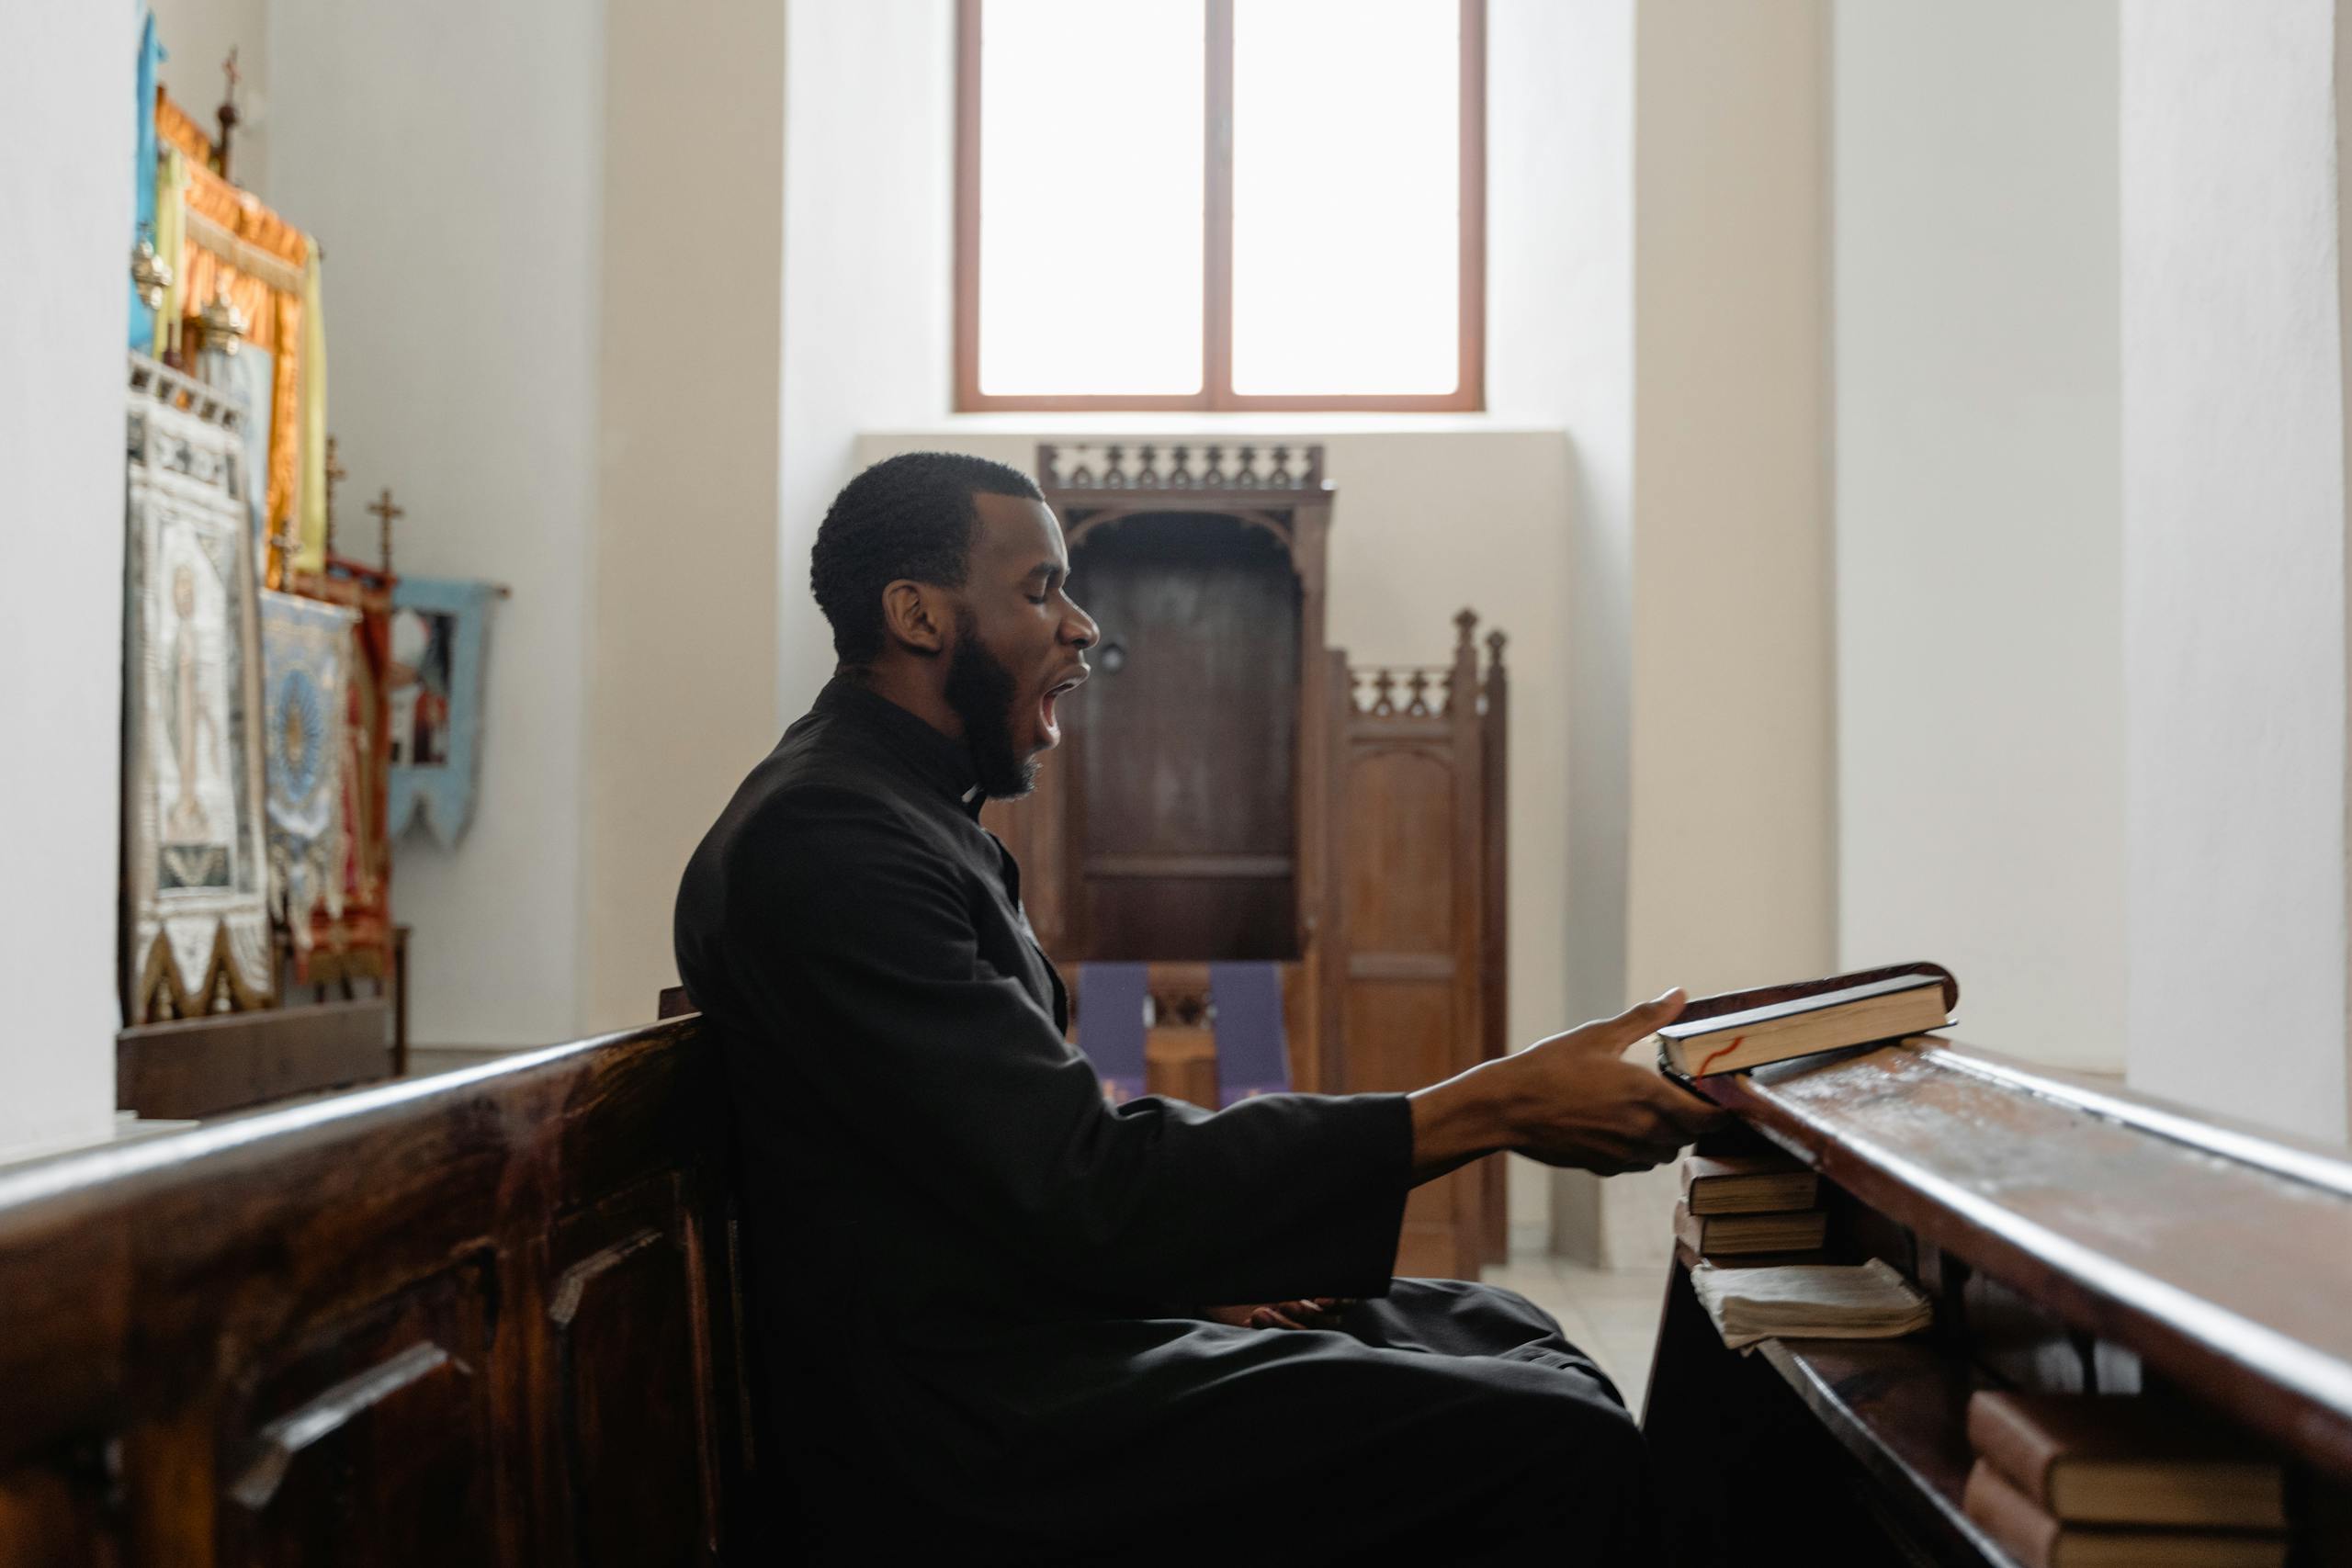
<point>916,615</point>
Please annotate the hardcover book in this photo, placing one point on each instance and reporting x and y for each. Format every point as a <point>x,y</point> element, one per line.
<point>1738,1030</point>
<point>2092,1459</point>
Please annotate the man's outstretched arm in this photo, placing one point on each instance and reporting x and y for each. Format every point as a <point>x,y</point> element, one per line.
<point>1571,1099</point>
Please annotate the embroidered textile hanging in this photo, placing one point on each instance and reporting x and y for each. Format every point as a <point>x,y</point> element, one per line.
<point>195,868</point>
<point>306,647</point>
<point>221,238</point>
<point>357,940</point>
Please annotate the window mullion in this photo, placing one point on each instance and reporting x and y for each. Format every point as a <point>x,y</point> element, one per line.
<point>1217,272</point>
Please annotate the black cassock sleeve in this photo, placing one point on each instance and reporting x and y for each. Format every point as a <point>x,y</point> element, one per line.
<point>854,943</point>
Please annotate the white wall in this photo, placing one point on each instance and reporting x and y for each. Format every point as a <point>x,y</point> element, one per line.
<point>1979,561</point>
<point>683,621</point>
<point>2234,583</point>
<point>449,157</point>
<point>65,247</point>
<point>869,204</point>
<point>197,36</point>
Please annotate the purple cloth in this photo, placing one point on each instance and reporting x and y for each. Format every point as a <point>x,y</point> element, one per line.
<point>1252,1057</point>
<point>1111,1000</point>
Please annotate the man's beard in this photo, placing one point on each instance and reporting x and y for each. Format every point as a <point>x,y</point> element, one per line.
<point>980,690</point>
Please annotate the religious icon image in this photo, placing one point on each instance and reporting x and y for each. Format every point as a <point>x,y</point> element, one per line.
<point>193,776</point>
<point>439,636</point>
<point>421,644</point>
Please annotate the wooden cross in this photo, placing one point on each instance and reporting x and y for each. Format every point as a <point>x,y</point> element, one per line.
<point>229,108</point>
<point>336,474</point>
<point>385,512</point>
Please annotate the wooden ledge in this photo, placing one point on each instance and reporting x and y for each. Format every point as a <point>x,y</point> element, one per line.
<point>1901,1409</point>
<point>2228,1274</point>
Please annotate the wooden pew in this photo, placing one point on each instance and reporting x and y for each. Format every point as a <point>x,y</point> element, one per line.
<point>2072,1239</point>
<point>487,1317</point>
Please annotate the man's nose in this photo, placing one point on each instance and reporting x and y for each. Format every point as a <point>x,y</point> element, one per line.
<point>1082,633</point>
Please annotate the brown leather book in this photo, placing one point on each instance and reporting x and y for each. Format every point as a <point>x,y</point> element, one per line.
<point>1724,1236</point>
<point>2093,1459</point>
<point>1746,1184</point>
<point>1738,1030</point>
<point>2038,1540</point>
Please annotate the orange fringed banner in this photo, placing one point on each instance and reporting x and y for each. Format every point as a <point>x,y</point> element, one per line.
<point>231,235</point>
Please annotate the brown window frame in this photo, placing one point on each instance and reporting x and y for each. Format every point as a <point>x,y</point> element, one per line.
<point>1217,371</point>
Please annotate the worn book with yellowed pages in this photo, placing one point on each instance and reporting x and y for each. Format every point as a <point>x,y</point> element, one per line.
<point>2039,1540</point>
<point>1719,1034</point>
<point>1729,1235</point>
<point>1746,1184</point>
<point>2114,1458</point>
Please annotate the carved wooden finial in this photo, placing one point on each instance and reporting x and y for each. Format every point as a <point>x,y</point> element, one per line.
<point>1466,625</point>
<point>336,474</point>
<point>1383,693</point>
<point>1494,640</point>
<point>283,544</point>
<point>1417,705</point>
<point>385,513</point>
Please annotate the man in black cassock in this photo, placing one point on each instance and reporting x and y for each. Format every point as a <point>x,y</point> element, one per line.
<point>995,1318</point>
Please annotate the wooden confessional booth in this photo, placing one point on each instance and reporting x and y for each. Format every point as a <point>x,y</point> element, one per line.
<point>1228,788</point>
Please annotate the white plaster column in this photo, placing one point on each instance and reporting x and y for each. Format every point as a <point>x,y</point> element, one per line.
<point>681,694</point>
<point>1979,553</point>
<point>2234,558</point>
<point>66,74</point>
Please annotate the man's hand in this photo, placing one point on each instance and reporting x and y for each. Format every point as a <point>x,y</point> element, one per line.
<point>1313,1312</point>
<point>1571,1099</point>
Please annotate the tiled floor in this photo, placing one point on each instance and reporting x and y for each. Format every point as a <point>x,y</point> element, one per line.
<point>1610,1314</point>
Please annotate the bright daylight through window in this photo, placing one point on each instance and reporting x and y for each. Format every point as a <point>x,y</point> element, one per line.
<point>1221,204</point>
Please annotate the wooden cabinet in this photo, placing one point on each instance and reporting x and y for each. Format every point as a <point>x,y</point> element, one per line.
<point>1228,788</point>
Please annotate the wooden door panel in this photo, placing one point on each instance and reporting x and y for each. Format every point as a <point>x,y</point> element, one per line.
<point>1398,834</point>
<point>632,1377</point>
<point>374,1445</point>
<point>1190,746</point>
<point>1182,918</point>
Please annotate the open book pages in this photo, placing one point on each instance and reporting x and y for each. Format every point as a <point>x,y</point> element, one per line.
<point>1810,1301</point>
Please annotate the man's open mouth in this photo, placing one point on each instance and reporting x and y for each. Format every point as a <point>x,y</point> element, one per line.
<point>1048,721</point>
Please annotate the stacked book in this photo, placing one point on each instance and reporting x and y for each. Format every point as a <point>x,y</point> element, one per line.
<point>1748,1203</point>
<point>2084,1481</point>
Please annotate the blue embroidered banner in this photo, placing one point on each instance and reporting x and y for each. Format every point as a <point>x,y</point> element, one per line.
<point>305,655</point>
<point>440,636</point>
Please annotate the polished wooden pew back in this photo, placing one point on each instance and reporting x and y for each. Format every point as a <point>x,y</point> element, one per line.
<point>487,1317</point>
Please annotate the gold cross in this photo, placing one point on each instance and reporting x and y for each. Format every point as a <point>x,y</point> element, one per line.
<point>385,512</point>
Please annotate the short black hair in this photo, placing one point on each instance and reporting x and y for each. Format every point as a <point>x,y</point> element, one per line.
<point>909,516</point>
